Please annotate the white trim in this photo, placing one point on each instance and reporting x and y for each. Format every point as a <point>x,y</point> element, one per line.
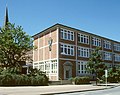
<point>96,41</point>
<point>85,38</point>
<point>76,50</point>
<point>67,32</point>
<point>67,59</point>
<point>47,45</point>
<point>50,55</point>
<point>85,50</point>
<point>67,44</point>
<point>116,57</point>
<point>107,55</point>
<point>45,60</point>
<point>116,46</point>
<point>48,64</point>
<point>107,44</point>
<point>67,49</point>
<point>84,71</point>
<point>33,54</point>
<point>57,53</point>
<point>44,48</point>
<point>38,49</point>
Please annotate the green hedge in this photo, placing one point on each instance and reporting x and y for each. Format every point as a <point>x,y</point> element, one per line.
<point>22,80</point>
<point>81,80</point>
<point>9,77</point>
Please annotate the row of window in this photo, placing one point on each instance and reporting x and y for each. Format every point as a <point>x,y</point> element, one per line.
<point>66,34</point>
<point>47,66</point>
<point>83,38</point>
<point>82,65</point>
<point>67,49</point>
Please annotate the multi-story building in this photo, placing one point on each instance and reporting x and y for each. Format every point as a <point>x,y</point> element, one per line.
<point>62,52</point>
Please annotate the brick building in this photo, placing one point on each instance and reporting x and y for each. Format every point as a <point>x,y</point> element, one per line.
<point>62,52</point>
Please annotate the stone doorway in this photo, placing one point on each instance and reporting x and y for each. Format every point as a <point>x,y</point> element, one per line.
<point>67,70</point>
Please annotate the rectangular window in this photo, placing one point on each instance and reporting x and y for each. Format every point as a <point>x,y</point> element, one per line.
<point>83,52</point>
<point>117,57</point>
<point>81,67</point>
<point>107,56</point>
<point>82,38</point>
<point>67,35</point>
<point>116,47</point>
<point>96,41</point>
<point>67,49</point>
<point>41,66</point>
<point>47,67</point>
<point>54,66</point>
<point>107,44</point>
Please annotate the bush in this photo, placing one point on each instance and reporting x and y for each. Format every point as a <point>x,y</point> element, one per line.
<point>81,80</point>
<point>12,79</point>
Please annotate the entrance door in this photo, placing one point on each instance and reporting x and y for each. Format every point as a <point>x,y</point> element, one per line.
<point>67,70</point>
<point>67,74</point>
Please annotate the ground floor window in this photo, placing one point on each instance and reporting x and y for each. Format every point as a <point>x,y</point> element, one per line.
<point>36,65</point>
<point>49,67</point>
<point>81,67</point>
<point>54,66</point>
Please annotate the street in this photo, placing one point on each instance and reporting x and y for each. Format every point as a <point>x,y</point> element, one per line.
<point>112,91</point>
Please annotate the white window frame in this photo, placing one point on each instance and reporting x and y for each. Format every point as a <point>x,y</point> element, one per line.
<point>67,34</point>
<point>41,66</point>
<point>107,56</point>
<point>54,66</point>
<point>84,37</point>
<point>116,47</point>
<point>117,57</point>
<point>96,41</point>
<point>49,67</point>
<point>107,44</point>
<point>83,52</point>
<point>67,49</point>
<point>81,67</point>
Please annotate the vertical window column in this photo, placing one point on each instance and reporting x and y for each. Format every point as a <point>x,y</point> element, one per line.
<point>67,35</point>
<point>67,49</point>
<point>82,65</point>
<point>82,38</point>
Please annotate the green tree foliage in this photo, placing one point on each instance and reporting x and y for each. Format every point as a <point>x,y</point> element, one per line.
<point>14,44</point>
<point>11,77</point>
<point>114,74</point>
<point>95,65</point>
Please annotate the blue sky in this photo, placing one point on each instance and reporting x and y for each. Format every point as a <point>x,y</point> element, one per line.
<point>101,17</point>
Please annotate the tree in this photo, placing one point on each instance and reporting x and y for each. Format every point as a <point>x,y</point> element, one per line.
<point>114,74</point>
<point>14,44</point>
<point>95,65</point>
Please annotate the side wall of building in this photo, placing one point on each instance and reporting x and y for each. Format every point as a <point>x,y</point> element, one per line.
<point>45,54</point>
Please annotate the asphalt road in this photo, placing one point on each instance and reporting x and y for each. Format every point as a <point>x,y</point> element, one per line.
<point>112,91</point>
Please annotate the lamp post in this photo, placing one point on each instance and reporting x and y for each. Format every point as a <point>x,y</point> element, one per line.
<point>106,75</point>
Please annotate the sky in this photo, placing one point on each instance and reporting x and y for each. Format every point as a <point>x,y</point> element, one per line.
<point>101,17</point>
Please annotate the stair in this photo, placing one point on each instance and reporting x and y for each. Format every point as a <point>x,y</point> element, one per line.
<point>60,82</point>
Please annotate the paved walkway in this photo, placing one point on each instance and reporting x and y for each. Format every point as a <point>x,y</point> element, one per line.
<point>38,90</point>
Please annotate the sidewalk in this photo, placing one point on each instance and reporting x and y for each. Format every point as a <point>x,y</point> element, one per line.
<point>56,89</point>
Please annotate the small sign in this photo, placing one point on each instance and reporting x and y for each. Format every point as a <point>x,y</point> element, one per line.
<point>106,73</point>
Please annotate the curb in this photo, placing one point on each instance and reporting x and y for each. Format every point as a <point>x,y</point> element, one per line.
<point>80,91</point>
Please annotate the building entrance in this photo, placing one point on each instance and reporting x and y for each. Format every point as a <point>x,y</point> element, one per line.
<point>67,70</point>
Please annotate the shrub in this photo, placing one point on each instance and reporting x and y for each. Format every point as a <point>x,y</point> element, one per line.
<point>82,80</point>
<point>12,79</point>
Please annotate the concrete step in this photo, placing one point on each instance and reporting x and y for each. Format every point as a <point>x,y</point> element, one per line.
<point>60,82</point>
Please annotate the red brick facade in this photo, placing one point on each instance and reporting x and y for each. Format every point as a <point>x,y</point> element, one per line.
<point>66,64</point>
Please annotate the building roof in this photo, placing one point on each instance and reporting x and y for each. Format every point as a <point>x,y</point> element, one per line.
<point>61,25</point>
